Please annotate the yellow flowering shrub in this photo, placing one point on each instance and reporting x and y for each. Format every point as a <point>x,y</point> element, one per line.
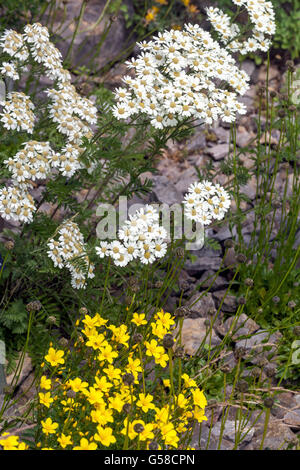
<point>117,387</point>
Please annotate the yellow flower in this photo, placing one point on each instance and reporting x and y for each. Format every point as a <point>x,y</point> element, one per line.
<point>45,383</point>
<point>107,354</point>
<point>77,385</point>
<point>151,14</point>
<point>144,402</point>
<point>147,432</point>
<point>96,341</point>
<point>105,436</point>
<point>94,396</point>
<point>102,384</point>
<point>161,358</point>
<point>134,366</point>
<point>48,426</point>
<point>86,445</point>
<point>169,434</point>
<point>55,357</point>
<point>64,440</point>
<point>162,415</point>
<point>117,402</point>
<point>188,382</point>
<point>151,347</point>
<point>102,415</point>
<point>112,372</point>
<point>10,442</point>
<point>120,334</point>
<point>199,398</point>
<point>46,399</point>
<point>199,414</point>
<point>162,2</point>
<point>139,319</point>
<point>22,446</point>
<point>181,401</point>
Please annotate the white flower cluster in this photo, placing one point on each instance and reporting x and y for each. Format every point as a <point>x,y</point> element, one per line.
<point>17,113</point>
<point>31,163</point>
<point>141,237</point>
<point>69,252</point>
<point>72,114</point>
<point>205,202</point>
<point>262,17</point>
<point>16,204</point>
<point>182,74</point>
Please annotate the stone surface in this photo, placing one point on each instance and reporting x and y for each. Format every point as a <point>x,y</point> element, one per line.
<point>229,302</point>
<point>277,437</point>
<point>89,35</point>
<point>25,372</point>
<point>166,192</point>
<point>204,306</point>
<point>255,347</point>
<point>292,418</point>
<point>218,152</point>
<point>230,431</point>
<point>194,330</point>
<point>239,327</point>
<point>202,263</point>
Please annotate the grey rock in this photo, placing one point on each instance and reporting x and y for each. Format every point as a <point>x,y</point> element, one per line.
<point>208,277</point>
<point>218,152</point>
<point>277,437</point>
<point>89,36</point>
<point>255,348</point>
<point>249,67</point>
<point>204,306</point>
<point>292,418</point>
<point>187,177</point>
<point>165,192</point>
<point>223,135</point>
<point>195,333</point>
<point>238,327</point>
<point>249,189</point>
<point>196,142</point>
<point>223,234</point>
<point>229,302</point>
<point>230,431</point>
<point>202,263</point>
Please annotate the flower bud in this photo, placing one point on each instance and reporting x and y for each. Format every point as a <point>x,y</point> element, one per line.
<point>181,312</point>
<point>229,243</point>
<point>168,341</point>
<point>268,402</point>
<point>126,408</point>
<point>242,301</point>
<point>296,330</point>
<point>137,338</point>
<point>179,352</point>
<point>83,311</point>
<point>9,245</point>
<point>241,258</point>
<point>158,284</point>
<point>128,379</point>
<point>138,428</point>
<point>34,306</point>
<point>292,304</point>
<point>153,445</point>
